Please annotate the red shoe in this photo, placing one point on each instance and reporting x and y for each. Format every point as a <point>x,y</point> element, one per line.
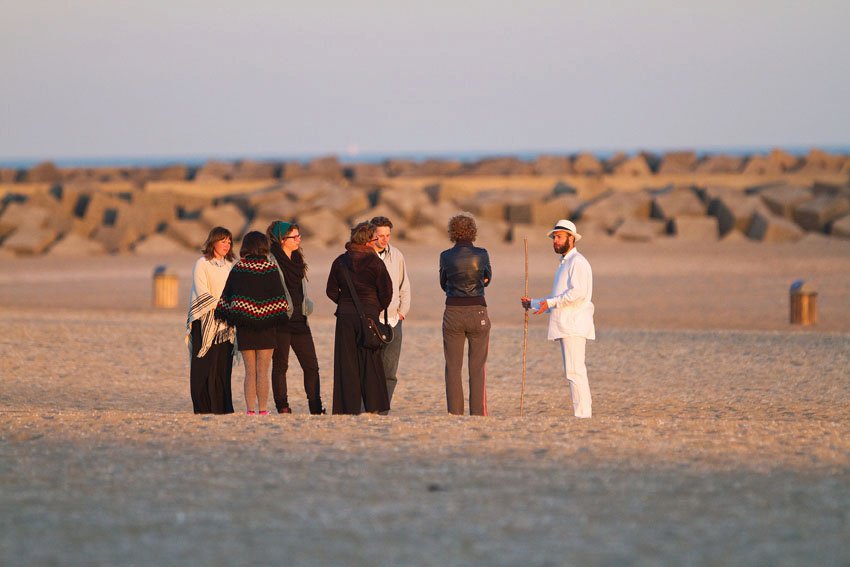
<point>250,412</point>
<point>264,412</point>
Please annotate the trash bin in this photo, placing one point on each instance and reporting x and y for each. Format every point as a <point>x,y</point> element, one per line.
<point>804,305</point>
<point>165,288</point>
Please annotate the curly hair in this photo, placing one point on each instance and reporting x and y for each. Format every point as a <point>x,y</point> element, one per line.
<point>218,234</point>
<point>255,243</point>
<point>362,233</point>
<point>462,227</point>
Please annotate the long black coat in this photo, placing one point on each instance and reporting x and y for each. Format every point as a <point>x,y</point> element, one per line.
<point>359,380</point>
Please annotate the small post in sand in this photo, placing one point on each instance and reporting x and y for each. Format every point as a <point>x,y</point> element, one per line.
<point>524,330</point>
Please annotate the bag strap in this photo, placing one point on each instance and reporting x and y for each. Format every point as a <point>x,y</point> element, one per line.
<point>354,295</point>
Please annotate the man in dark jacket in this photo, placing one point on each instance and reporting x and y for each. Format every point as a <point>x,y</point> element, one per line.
<point>464,273</point>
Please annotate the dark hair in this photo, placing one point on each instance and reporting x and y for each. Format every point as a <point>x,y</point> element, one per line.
<point>362,232</point>
<point>382,221</point>
<point>462,227</point>
<point>218,234</point>
<point>277,247</point>
<point>255,243</point>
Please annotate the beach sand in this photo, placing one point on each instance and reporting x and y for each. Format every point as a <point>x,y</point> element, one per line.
<point>721,434</point>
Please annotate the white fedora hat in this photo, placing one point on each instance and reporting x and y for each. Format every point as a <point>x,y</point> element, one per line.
<point>566,226</point>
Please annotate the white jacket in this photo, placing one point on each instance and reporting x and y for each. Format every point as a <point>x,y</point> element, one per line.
<point>570,306</point>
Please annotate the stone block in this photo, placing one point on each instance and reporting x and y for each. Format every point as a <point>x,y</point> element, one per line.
<point>735,210</point>
<point>486,205</point>
<point>118,239</point>
<point>782,159</point>
<point>547,213</point>
<point>439,167</point>
<point>73,245</point>
<point>214,170</point>
<point>45,172</point>
<point>190,233</point>
<point>249,169</point>
<point>760,165</point>
<point>820,211</point>
<point>695,228</point>
<point>677,202</point>
<point>720,164</point>
<point>306,191</point>
<point>404,202</point>
<point>783,199</point>
<point>491,232</point>
<point>176,172</point>
<point>400,226</point>
<point>29,240</point>
<point>634,166</point>
<point>612,209</point>
<point>587,164</point>
<point>365,171</point>
<point>345,202</point>
<point>283,208</point>
<point>158,244</point>
<point>553,165</point>
<point>841,227</point>
<point>9,175</point>
<point>639,229</point>
<point>499,166</point>
<point>324,227</point>
<point>678,162</point>
<point>437,215</point>
<point>820,161</point>
<point>401,167</point>
<point>428,234</point>
<point>537,238</point>
<point>228,215</point>
<point>767,227</point>
<point>21,215</point>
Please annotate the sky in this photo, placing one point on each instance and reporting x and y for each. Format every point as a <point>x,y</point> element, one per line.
<point>270,78</point>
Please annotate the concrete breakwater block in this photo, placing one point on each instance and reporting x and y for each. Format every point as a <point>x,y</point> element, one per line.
<point>817,213</point>
<point>767,227</point>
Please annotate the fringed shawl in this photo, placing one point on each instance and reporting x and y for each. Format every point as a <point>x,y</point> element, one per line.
<point>253,295</point>
<point>208,281</point>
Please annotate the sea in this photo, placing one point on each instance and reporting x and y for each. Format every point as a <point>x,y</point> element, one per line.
<point>349,158</point>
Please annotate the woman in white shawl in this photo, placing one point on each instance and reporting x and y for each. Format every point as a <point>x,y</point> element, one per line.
<point>210,341</point>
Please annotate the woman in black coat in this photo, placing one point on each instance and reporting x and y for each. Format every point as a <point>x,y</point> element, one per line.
<point>359,380</point>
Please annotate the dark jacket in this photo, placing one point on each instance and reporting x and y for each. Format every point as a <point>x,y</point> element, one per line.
<point>369,276</point>
<point>464,273</point>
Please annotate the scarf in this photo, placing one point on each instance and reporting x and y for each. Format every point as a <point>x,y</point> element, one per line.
<point>208,277</point>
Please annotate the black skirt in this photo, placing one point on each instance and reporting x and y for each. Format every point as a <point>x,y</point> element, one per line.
<point>254,338</point>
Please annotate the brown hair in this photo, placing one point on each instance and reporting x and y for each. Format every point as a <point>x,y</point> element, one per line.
<point>462,227</point>
<point>382,221</point>
<point>277,246</point>
<point>362,233</point>
<point>218,234</point>
<point>255,243</point>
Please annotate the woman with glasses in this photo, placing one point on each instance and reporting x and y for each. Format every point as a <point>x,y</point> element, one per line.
<point>359,380</point>
<point>285,239</point>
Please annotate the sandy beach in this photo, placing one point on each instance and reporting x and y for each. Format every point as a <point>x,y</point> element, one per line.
<point>721,433</point>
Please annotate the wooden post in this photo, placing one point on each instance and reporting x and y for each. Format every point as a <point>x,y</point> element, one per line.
<point>524,330</point>
<point>803,303</point>
<point>165,288</point>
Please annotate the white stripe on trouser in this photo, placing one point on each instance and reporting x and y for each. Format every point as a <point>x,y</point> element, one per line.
<point>572,349</point>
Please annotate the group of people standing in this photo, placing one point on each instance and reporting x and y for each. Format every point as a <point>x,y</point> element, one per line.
<point>259,307</point>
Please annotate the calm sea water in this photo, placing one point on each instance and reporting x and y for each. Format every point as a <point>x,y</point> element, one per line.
<point>196,160</point>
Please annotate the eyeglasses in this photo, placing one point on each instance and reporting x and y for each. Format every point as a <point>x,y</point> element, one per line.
<point>374,239</point>
<point>297,236</point>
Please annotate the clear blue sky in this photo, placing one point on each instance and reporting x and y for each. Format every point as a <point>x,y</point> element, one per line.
<point>255,77</point>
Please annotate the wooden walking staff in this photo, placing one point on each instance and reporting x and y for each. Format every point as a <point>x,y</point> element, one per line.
<point>524,329</point>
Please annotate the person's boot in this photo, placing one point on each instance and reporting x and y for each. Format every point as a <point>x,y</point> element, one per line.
<point>316,407</point>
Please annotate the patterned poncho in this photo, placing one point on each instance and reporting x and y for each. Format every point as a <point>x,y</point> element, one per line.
<point>253,295</point>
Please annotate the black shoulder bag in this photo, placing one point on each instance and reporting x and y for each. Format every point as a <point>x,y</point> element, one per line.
<point>374,335</point>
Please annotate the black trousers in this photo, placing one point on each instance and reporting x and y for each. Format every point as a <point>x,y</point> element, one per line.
<point>305,350</point>
<point>209,376</point>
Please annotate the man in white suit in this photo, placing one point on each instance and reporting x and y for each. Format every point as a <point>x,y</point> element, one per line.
<point>570,311</point>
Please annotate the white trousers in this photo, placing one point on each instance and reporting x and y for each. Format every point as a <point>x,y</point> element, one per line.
<point>572,349</point>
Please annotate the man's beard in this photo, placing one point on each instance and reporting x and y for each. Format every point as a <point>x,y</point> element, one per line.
<point>561,249</point>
